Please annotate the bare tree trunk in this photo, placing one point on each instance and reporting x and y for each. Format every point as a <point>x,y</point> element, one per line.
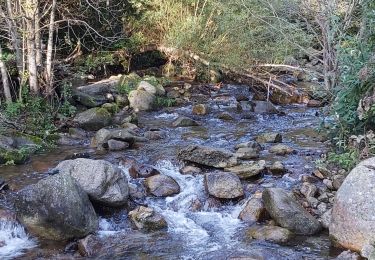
<point>49,69</point>
<point>38,40</point>
<point>29,7</point>
<point>4,77</point>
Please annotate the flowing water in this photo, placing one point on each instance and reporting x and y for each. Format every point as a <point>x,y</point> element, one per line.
<point>210,233</point>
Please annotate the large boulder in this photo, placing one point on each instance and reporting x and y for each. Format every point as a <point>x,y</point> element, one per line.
<point>209,156</point>
<point>102,181</point>
<point>93,119</point>
<point>147,219</point>
<point>249,169</point>
<point>56,208</point>
<point>254,211</point>
<point>100,88</point>
<point>154,89</point>
<point>352,222</point>
<point>162,185</point>
<point>89,100</point>
<point>288,213</point>
<point>141,100</point>
<point>223,185</point>
<point>120,134</point>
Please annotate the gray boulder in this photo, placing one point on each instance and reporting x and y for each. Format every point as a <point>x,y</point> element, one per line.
<point>141,100</point>
<point>249,169</point>
<point>93,119</point>
<point>56,208</point>
<point>209,156</point>
<point>270,233</point>
<point>102,181</point>
<point>162,185</point>
<point>269,138</point>
<point>352,223</point>
<point>288,213</point>
<point>184,121</point>
<point>264,107</point>
<point>254,211</point>
<point>147,219</point>
<point>120,134</point>
<point>223,185</point>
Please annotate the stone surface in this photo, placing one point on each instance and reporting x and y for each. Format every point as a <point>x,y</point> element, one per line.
<point>115,145</point>
<point>200,109</point>
<point>254,211</point>
<point>326,219</point>
<point>184,121</point>
<point>147,219</point>
<point>251,144</point>
<point>93,119</point>
<point>353,222</point>
<point>225,116</point>
<point>56,208</point>
<point>281,149</point>
<point>264,107</point>
<point>162,185</point>
<point>348,255</point>
<point>247,153</point>
<point>308,189</point>
<point>288,213</point>
<point>223,185</point>
<point>139,170</point>
<point>103,182</point>
<point>89,246</point>
<point>269,138</point>
<point>141,100</point>
<point>191,170</point>
<point>209,156</point>
<point>270,233</point>
<point>277,168</point>
<point>104,135</point>
<point>248,170</point>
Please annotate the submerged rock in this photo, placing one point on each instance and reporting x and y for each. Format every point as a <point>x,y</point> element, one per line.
<point>184,121</point>
<point>103,182</point>
<point>200,109</point>
<point>89,246</point>
<point>247,153</point>
<point>138,170</point>
<point>281,149</point>
<point>115,145</point>
<point>147,219</point>
<point>223,185</point>
<point>352,224</point>
<point>93,119</point>
<point>269,138</point>
<point>270,233</point>
<point>190,170</point>
<point>162,185</point>
<point>288,213</point>
<point>209,156</point>
<point>264,107</point>
<point>249,169</point>
<point>56,208</point>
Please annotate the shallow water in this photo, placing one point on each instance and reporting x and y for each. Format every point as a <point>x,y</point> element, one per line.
<point>208,233</point>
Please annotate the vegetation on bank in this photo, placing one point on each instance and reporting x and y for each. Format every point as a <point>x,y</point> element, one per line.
<point>190,38</point>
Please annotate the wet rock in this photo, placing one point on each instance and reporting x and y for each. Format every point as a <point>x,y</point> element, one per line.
<point>56,208</point>
<point>137,191</point>
<point>121,101</point>
<point>149,88</point>
<point>111,107</point>
<point>209,156</point>
<point>318,174</point>
<point>77,133</point>
<point>147,219</point>
<point>247,153</point>
<point>223,185</point>
<point>162,185</point>
<point>281,149</point>
<point>348,255</point>
<point>337,181</point>
<point>325,219</point>
<point>288,213</point>
<point>352,224</point>
<point>93,119</point>
<point>141,100</point>
<point>184,121</point>
<point>191,170</point>
<point>328,183</point>
<point>129,126</point>
<point>277,168</point>
<point>89,246</point>
<point>248,169</point>
<point>211,203</point>
<point>173,94</point>
<point>251,144</point>
<point>270,233</point>
<point>102,181</point>
<point>104,135</point>
<point>6,215</point>
<point>254,211</point>
<point>308,190</point>
<point>245,106</point>
<point>115,145</point>
<point>138,170</point>
<point>225,116</point>
<point>313,202</point>
<point>88,100</point>
<point>200,109</point>
<point>264,107</point>
<point>269,138</point>
<point>368,251</point>
<point>155,135</point>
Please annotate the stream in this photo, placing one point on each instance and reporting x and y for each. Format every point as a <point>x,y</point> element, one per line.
<point>210,233</point>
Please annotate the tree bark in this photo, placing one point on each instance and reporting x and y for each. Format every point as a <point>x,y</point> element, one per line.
<point>49,69</point>
<point>4,77</point>
<point>38,40</point>
<point>30,7</point>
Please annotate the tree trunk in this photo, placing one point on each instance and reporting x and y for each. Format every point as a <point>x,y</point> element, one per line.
<point>49,69</point>
<point>4,77</point>
<point>38,40</point>
<point>30,7</point>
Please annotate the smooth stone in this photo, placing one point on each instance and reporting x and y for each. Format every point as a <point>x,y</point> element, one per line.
<point>254,211</point>
<point>184,121</point>
<point>248,170</point>
<point>281,149</point>
<point>162,185</point>
<point>269,138</point>
<point>270,233</point>
<point>277,168</point>
<point>223,185</point>
<point>146,218</point>
<point>114,145</point>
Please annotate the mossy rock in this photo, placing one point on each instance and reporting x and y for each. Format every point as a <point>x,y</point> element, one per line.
<point>111,107</point>
<point>14,156</point>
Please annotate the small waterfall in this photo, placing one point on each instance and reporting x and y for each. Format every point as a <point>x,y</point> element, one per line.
<point>13,240</point>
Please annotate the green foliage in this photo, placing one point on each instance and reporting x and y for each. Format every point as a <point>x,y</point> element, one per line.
<point>346,160</point>
<point>128,83</point>
<point>164,102</point>
<point>66,108</point>
<point>94,61</point>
